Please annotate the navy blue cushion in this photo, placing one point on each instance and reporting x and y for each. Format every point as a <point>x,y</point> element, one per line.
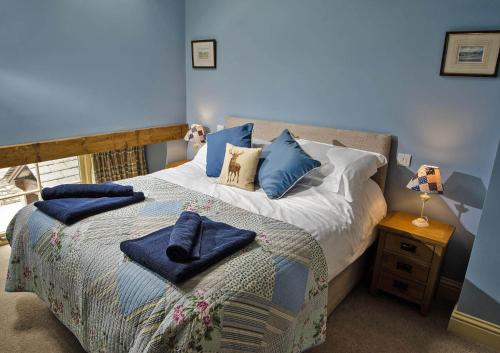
<point>283,163</point>
<point>216,145</point>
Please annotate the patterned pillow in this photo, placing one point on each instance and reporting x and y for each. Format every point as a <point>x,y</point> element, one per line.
<point>240,167</point>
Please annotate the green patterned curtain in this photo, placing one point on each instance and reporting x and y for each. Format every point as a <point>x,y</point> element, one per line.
<point>120,164</point>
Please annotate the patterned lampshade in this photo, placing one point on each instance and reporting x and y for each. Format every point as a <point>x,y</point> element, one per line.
<point>195,134</point>
<point>427,179</point>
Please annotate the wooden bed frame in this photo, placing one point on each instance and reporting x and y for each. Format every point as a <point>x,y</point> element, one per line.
<point>340,286</point>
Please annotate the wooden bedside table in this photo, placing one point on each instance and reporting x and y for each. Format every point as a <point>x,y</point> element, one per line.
<point>409,258</point>
<point>177,163</point>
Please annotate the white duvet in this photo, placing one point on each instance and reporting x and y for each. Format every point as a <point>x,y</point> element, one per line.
<point>343,229</point>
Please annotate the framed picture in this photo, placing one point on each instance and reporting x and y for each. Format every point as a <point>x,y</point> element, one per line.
<point>204,54</point>
<point>471,54</point>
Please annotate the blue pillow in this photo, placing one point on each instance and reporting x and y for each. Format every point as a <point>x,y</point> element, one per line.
<point>240,136</point>
<point>283,163</point>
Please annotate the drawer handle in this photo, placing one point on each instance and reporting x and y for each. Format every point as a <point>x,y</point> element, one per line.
<point>404,267</point>
<point>408,247</point>
<point>403,287</point>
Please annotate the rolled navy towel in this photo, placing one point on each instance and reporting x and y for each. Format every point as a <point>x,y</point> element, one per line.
<point>184,244</point>
<point>219,240</point>
<point>71,191</point>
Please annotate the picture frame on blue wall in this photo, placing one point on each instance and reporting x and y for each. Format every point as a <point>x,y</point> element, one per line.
<point>471,54</point>
<point>204,54</point>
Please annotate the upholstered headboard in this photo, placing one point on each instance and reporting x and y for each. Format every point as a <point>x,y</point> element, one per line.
<point>368,141</point>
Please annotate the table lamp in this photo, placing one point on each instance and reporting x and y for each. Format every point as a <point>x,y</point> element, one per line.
<point>426,181</point>
<point>195,134</point>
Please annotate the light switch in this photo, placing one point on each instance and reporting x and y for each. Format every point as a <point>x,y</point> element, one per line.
<point>220,127</point>
<point>404,159</point>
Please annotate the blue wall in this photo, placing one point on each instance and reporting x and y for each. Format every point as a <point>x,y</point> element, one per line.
<point>72,67</point>
<point>369,65</point>
<point>76,67</point>
<point>480,295</point>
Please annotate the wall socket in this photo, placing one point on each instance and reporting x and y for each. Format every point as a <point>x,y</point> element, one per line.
<point>220,127</point>
<point>404,159</point>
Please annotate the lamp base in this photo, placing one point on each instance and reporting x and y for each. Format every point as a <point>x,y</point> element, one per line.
<point>420,222</point>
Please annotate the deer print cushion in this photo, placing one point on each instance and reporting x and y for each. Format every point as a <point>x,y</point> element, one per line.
<point>240,167</point>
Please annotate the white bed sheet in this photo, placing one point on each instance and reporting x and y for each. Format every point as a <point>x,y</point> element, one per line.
<point>343,229</point>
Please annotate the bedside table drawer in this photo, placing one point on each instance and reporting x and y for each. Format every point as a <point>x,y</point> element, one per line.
<point>409,247</point>
<point>401,287</point>
<point>404,267</point>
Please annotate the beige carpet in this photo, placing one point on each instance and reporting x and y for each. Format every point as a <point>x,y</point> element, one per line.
<point>362,323</point>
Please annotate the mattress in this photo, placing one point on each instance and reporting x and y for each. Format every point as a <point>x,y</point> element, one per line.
<point>343,229</point>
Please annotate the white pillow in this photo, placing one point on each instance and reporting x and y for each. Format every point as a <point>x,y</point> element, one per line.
<point>201,157</point>
<point>317,150</point>
<point>345,169</point>
<point>259,143</point>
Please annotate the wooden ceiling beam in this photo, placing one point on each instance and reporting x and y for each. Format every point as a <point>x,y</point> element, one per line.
<point>25,153</point>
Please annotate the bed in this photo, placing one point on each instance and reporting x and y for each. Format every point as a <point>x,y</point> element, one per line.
<point>272,296</point>
<point>344,277</point>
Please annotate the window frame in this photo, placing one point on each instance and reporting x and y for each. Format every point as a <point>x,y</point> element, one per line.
<point>86,170</point>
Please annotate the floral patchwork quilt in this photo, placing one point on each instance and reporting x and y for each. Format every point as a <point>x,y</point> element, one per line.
<point>268,297</point>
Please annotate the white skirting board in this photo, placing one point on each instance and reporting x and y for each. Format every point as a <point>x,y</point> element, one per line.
<point>449,289</point>
<point>479,330</point>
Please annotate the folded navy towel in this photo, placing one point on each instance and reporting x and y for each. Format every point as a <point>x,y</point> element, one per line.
<point>86,191</point>
<point>71,210</point>
<point>218,241</point>
<point>184,244</point>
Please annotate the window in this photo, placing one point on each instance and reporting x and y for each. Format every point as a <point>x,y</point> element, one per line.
<point>21,185</point>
